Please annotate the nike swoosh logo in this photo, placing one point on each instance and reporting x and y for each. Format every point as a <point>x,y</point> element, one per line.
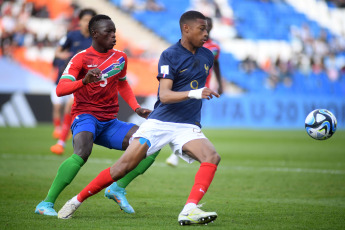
<point>183,70</point>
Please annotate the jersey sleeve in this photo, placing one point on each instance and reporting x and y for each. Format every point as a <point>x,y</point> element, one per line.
<point>73,68</point>
<point>165,67</point>
<point>127,94</point>
<point>68,82</point>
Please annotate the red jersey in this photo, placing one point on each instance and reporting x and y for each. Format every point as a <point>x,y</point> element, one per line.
<point>215,49</point>
<point>99,99</point>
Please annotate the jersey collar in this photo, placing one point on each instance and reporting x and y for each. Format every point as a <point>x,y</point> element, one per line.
<point>183,48</point>
<point>100,54</point>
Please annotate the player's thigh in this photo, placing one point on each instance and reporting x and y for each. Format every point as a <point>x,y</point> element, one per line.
<point>202,150</point>
<point>116,134</point>
<point>82,144</point>
<point>84,131</point>
<point>84,122</point>
<point>156,133</point>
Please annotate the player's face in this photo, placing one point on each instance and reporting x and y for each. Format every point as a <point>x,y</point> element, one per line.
<point>84,22</point>
<point>106,37</point>
<point>198,34</point>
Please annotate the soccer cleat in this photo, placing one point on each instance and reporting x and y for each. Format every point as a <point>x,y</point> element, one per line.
<point>57,149</point>
<point>118,195</point>
<point>67,210</point>
<point>172,160</point>
<point>196,216</point>
<point>45,208</point>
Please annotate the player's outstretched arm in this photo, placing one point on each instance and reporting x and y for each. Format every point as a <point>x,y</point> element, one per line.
<point>127,94</point>
<point>218,76</point>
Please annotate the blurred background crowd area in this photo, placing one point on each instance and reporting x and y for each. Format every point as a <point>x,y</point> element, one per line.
<point>267,46</point>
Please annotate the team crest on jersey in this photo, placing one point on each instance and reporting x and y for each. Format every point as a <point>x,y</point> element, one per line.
<point>207,69</point>
<point>114,68</point>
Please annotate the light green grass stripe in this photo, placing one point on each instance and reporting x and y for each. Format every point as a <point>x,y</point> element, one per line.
<point>160,164</point>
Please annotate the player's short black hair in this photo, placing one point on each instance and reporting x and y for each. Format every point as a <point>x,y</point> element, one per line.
<point>190,15</point>
<point>95,20</point>
<point>86,11</point>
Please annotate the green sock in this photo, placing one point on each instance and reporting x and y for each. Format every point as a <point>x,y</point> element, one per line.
<point>66,173</point>
<point>140,169</point>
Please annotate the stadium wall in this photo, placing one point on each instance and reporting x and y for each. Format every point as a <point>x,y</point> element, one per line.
<point>250,111</point>
<point>268,111</point>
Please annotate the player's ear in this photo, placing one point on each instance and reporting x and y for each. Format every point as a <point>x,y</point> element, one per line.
<point>93,33</point>
<point>185,28</point>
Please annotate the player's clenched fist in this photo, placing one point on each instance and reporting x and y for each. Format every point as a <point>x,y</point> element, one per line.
<point>92,75</point>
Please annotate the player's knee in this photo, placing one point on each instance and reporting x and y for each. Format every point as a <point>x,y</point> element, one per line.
<point>83,152</point>
<point>117,171</point>
<point>214,158</point>
<point>82,144</point>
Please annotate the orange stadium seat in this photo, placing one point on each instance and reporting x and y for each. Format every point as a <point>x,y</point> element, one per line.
<point>141,75</point>
<point>55,8</point>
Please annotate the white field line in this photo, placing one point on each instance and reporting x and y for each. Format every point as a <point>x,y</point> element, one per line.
<point>109,162</point>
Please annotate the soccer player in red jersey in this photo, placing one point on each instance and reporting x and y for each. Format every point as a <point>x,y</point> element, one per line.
<point>95,76</point>
<point>175,120</point>
<point>173,160</point>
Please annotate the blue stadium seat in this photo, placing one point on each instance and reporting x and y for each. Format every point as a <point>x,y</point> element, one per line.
<point>254,20</point>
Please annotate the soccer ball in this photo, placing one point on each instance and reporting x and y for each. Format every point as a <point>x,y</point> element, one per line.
<point>320,124</point>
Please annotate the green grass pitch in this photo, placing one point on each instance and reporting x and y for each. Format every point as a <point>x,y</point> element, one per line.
<point>267,179</point>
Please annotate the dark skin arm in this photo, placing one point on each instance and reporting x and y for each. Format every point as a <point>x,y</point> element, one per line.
<point>218,76</point>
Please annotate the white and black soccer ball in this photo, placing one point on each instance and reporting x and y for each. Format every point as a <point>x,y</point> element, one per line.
<point>320,124</point>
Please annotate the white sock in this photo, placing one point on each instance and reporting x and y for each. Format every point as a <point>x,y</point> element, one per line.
<point>61,142</point>
<point>76,201</point>
<point>188,207</point>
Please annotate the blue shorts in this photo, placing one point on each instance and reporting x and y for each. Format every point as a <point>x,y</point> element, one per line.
<point>109,134</point>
